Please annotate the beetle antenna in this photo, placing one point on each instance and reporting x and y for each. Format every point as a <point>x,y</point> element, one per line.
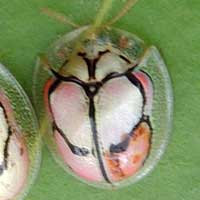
<point>91,32</point>
<point>103,11</point>
<point>128,5</point>
<point>59,17</point>
<point>105,7</point>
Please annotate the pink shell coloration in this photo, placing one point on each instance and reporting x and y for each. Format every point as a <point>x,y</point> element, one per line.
<point>101,120</point>
<point>14,162</point>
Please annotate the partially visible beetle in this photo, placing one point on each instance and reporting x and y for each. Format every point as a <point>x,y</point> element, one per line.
<point>19,139</point>
<point>101,102</point>
<point>14,162</point>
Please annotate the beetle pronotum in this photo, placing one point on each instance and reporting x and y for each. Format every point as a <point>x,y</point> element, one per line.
<point>102,101</point>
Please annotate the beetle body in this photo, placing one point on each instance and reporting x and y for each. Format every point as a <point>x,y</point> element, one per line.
<point>99,105</point>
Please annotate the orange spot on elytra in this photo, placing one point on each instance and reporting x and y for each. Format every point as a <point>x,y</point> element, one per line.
<point>114,165</point>
<point>127,163</point>
<point>137,158</point>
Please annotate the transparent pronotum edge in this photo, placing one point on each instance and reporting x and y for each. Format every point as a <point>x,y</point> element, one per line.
<point>27,122</point>
<point>151,63</point>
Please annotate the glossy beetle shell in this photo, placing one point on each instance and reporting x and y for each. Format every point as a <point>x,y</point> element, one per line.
<point>19,139</point>
<point>13,153</point>
<point>107,109</point>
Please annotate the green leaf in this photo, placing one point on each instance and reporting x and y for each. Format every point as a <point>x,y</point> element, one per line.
<point>173,27</point>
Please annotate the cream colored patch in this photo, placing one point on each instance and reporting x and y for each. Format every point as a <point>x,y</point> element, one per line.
<point>76,67</point>
<point>109,63</point>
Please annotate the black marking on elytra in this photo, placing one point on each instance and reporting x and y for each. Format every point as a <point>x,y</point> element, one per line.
<point>79,151</point>
<point>93,152</point>
<point>146,119</point>
<point>137,83</point>
<point>112,75</point>
<point>52,88</point>
<point>91,63</point>
<point>4,165</point>
<point>122,146</point>
<point>91,89</point>
<point>1,169</point>
<point>74,149</point>
<point>6,154</point>
<point>151,80</point>
<point>96,141</point>
<point>142,119</point>
<point>55,84</point>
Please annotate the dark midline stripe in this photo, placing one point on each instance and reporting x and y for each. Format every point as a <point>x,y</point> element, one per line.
<point>95,137</point>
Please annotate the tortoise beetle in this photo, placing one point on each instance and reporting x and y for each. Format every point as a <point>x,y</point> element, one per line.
<point>19,139</point>
<point>105,106</point>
